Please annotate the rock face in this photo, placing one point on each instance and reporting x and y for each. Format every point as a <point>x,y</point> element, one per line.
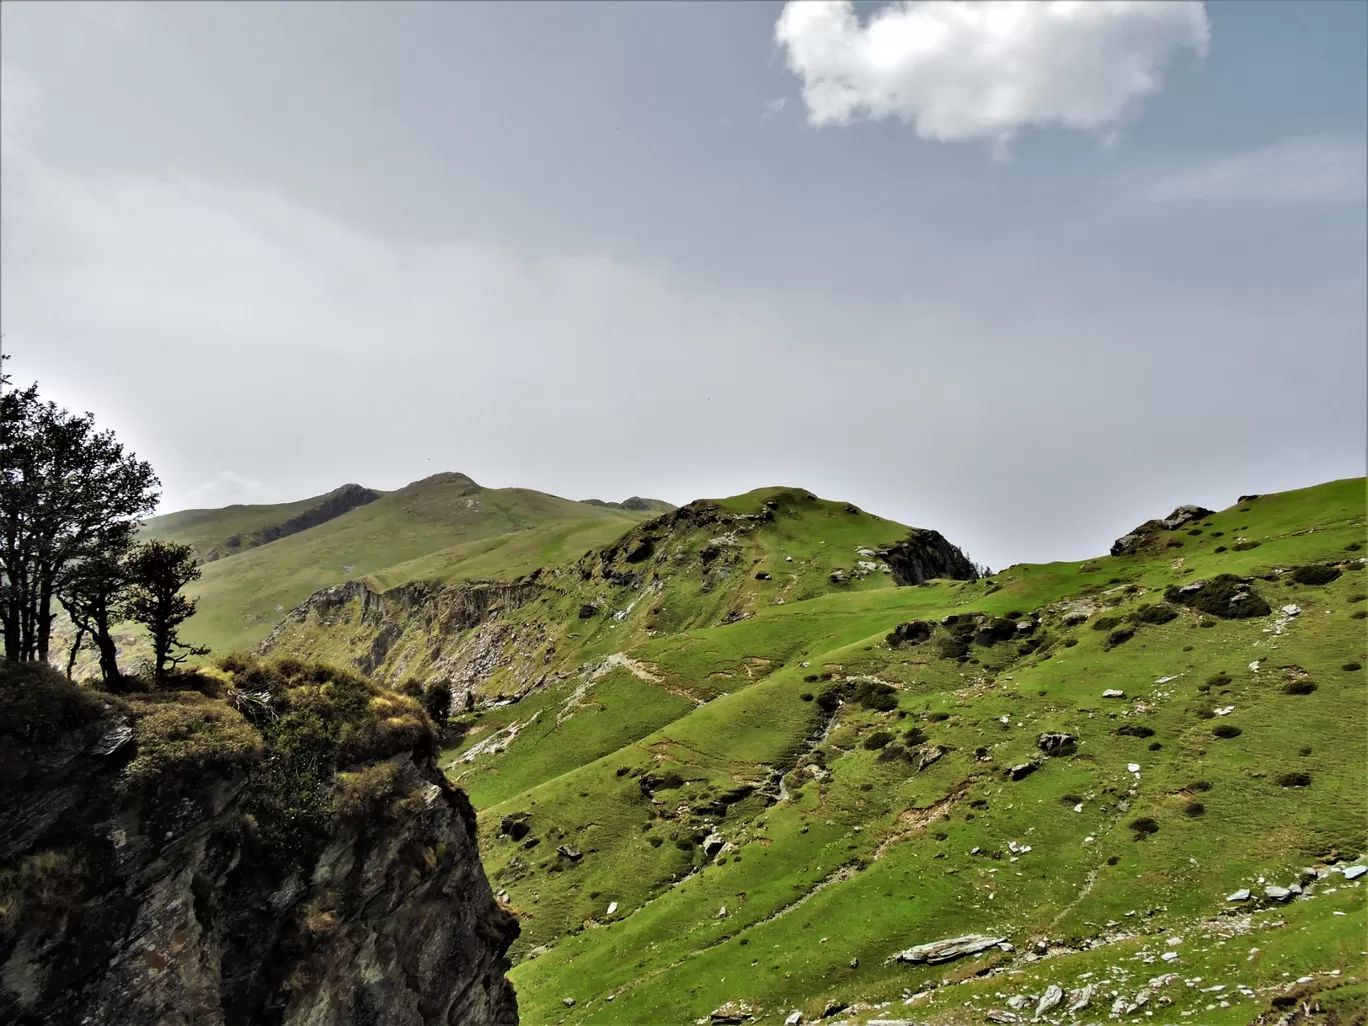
<point>925,555</point>
<point>163,902</point>
<point>1151,530</point>
<point>334,504</point>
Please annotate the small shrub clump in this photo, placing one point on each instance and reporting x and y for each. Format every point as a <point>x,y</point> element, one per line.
<point>1226,730</point>
<point>1194,809</point>
<point>1143,827</point>
<point>1225,595</point>
<point>1293,780</point>
<point>1154,614</point>
<point>877,740</point>
<point>1315,575</point>
<point>1351,667</point>
<point>1299,687</point>
<point>1135,730</point>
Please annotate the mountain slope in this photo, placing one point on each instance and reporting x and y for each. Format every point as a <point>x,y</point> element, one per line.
<point>718,793</point>
<point>214,533</point>
<point>445,527</point>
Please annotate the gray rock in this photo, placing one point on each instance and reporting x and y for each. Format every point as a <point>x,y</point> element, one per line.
<point>1022,770</point>
<point>1053,995</point>
<point>930,754</point>
<point>1278,893</point>
<point>1080,998</point>
<point>1354,872</point>
<point>568,1002</point>
<point>1241,895</point>
<point>114,738</point>
<point>1113,693</point>
<point>1017,1002</point>
<point>712,844</point>
<point>573,854</point>
<point>949,949</point>
<point>1049,742</point>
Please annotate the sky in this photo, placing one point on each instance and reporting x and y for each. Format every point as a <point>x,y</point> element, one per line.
<point>1028,274</point>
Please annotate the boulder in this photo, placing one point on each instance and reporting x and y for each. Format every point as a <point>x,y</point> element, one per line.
<point>930,754</point>
<point>1354,872</point>
<point>587,610</point>
<point>1022,770</point>
<point>1241,895</point>
<point>515,826</point>
<point>733,1013</point>
<point>1052,741</point>
<point>712,844</point>
<point>1278,893</point>
<point>1053,995</point>
<point>1113,693</point>
<point>913,632</point>
<point>949,949</point>
<point>573,854</point>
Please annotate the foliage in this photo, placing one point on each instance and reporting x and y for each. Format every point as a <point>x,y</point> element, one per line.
<point>65,490</point>
<point>157,571</point>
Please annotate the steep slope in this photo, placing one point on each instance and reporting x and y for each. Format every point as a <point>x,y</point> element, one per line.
<point>168,858</point>
<point>443,528</point>
<point>214,533</point>
<point>727,767</point>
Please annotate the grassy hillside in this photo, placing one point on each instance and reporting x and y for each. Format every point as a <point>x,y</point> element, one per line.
<point>207,531</point>
<point>442,528</point>
<point>725,796</point>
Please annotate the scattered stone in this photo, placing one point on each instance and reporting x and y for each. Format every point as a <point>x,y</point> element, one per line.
<point>1133,767</point>
<point>833,1007</point>
<point>1079,999</point>
<point>947,950</point>
<point>1022,770</point>
<point>1053,995</point>
<point>573,854</point>
<point>1278,893</point>
<point>1017,1002</point>
<point>712,844</point>
<point>1169,956</point>
<point>1292,610</point>
<point>1241,895</point>
<point>1113,693</point>
<point>854,963</point>
<point>997,1015</point>
<point>118,735</point>
<point>612,907</point>
<point>761,575</point>
<point>515,826</point>
<point>794,1019</point>
<point>1354,872</point>
<point>568,1002</point>
<point>733,1013</point>
<point>929,755</point>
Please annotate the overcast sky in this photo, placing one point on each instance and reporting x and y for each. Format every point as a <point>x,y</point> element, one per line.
<point>1025,274</point>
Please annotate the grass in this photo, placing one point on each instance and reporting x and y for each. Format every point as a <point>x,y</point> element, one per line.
<point>748,693</point>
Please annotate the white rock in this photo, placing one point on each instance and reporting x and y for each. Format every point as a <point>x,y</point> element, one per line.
<point>1225,710</point>
<point>1169,956</point>
<point>1254,666</point>
<point>1241,895</point>
<point>722,912</point>
<point>1165,680</point>
<point>612,907</point>
<point>1354,872</point>
<point>1134,767</point>
<point>1173,942</point>
<point>794,1019</point>
<point>1078,807</point>
<point>1017,1002</point>
<point>1113,693</point>
<point>1277,893</point>
<point>1078,999</point>
<point>1292,610</point>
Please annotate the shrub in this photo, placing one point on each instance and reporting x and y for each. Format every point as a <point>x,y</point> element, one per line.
<point>1218,534</point>
<point>1143,827</point>
<point>1353,547</point>
<point>1225,595</point>
<point>1351,667</point>
<point>1154,614</point>
<point>1218,680</point>
<point>1293,780</point>
<point>1359,614</point>
<point>180,733</point>
<point>1315,575</point>
<point>1135,730</point>
<point>952,647</point>
<point>437,701</point>
<point>877,740</point>
<point>1245,544</point>
<point>1220,548</point>
<point>1113,860</point>
<point>1106,623</point>
<point>1358,597</point>
<point>1226,730</point>
<point>358,794</point>
<point>1070,642</point>
<point>1120,637</point>
<point>806,696</point>
<point>1155,746</point>
<point>875,695</point>
<point>38,705</point>
<point>1299,687</point>
<point>1194,809</point>
<point>937,717</point>
<point>914,736</point>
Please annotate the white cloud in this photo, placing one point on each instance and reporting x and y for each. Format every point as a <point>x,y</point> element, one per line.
<point>963,71</point>
<point>1313,169</point>
<point>773,107</point>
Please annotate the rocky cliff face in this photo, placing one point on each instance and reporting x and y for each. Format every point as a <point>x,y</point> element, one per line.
<point>165,861</point>
<point>925,555</point>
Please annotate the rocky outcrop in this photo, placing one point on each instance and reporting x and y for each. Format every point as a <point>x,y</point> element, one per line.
<point>1151,530</point>
<point>925,555</point>
<point>145,885</point>
<point>334,504</point>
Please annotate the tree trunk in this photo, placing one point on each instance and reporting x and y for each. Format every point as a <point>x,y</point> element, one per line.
<point>75,648</point>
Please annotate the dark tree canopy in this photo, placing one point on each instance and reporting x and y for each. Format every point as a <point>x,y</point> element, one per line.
<point>157,571</point>
<point>66,491</point>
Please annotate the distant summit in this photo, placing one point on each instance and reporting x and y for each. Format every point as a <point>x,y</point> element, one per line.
<point>636,504</point>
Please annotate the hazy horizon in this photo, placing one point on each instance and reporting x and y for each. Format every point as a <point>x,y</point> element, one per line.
<point>1029,299</point>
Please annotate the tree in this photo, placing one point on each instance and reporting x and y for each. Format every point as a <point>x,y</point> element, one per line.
<point>437,701</point>
<point>92,590</point>
<point>157,571</point>
<point>64,488</point>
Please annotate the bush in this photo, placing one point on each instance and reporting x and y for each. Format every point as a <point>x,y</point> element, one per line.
<point>437,701</point>
<point>1225,595</point>
<point>1220,548</point>
<point>1299,687</point>
<point>1358,597</point>
<point>1226,730</point>
<point>1143,827</point>
<point>1351,667</point>
<point>937,717</point>
<point>1246,545</point>
<point>915,736</point>
<point>1293,780</point>
<point>1194,809</point>
<point>1135,730</point>
<point>1218,680</point>
<point>1120,637</point>
<point>1359,614</point>
<point>806,696</point>
<point>875,695</point>
<point>877,740</point>
<point>38,705</point>
<point>1314,575</point>
<point>1353,547</point>
<point>181,734</point>
<point>1154,614</point>
<point>1106,623</point>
